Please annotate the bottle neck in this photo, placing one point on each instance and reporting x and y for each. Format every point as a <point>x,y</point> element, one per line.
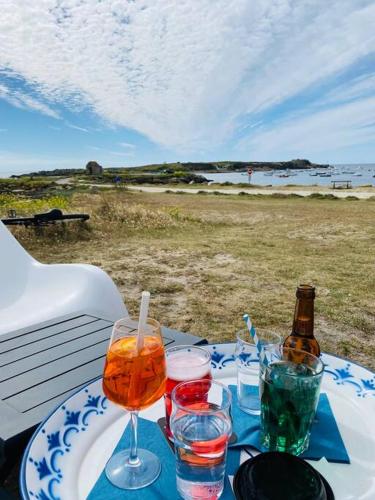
<point>303,322</point>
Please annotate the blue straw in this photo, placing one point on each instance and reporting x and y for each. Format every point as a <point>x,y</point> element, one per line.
<point>255,338</point>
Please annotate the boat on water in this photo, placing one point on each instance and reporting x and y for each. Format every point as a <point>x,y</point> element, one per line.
<point>313,174</point>
<point>325,174</point>
<point>287,173</point>
<point>268,173</point>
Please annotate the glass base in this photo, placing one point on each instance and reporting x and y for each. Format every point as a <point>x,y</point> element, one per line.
<point>250,411</point>
<point>132,477</point>
<point>286,445</point>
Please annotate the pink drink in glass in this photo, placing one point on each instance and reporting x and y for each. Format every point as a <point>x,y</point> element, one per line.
<point>184,363</point>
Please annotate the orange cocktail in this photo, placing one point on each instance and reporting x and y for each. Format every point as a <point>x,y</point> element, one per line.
<point>134,378</point>
<point>131,379</point>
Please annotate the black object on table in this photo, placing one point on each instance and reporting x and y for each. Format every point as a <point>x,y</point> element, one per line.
<point>279,476</point>
<point>42,365</point>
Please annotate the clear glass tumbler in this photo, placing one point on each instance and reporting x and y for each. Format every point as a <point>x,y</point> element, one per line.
<point>201,427</point>
<point>247,362</point>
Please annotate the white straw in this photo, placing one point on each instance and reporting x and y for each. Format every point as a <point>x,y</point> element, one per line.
<point>142,319</point>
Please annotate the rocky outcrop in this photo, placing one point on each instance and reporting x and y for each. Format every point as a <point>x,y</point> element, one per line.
<point>228,166</point>
<point>93,168</point>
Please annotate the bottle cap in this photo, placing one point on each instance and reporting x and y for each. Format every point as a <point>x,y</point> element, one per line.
<point>305,291</point>
<point>279,476</point>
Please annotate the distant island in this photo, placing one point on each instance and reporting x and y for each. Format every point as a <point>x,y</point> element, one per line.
<point>169,173</point>
<point>231,166</point>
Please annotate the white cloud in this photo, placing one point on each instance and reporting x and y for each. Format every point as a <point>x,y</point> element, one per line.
<point>121,153</point>
<point>127,145</point>
<point>324,131</point>
<point>25,101</point>
<point>76,127</point>
<point>357,88</point>
<point>182,72</point>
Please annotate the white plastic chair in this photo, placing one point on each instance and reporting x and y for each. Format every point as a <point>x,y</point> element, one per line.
<point>31,292</point>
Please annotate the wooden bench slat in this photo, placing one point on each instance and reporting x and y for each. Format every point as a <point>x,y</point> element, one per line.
<point>12,422</point>
<point>49,372</point>
<point>16,341</point>
<point>52,354</point>
<point>48,344</point>
<point>82,354</point>
<point>80,317</point>
<point>39,413</point>
<point>33,397</point>
<point>181,338</point>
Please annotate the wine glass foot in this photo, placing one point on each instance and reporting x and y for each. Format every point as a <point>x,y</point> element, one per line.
<point>132,477</point>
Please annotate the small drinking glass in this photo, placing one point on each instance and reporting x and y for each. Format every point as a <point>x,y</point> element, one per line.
<point>289,389</point>
<point>201,427</point>
<point>247,362</point>
<point>184,363</point>
<point>134,379</point>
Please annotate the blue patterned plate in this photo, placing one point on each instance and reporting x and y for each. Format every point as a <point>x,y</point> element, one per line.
<point>71,447</point>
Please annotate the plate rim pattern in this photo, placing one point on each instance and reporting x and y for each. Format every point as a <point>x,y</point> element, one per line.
<point>58,442</point>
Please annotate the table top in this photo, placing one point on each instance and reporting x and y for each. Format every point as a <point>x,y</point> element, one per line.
<point>349,387</point>
<point>42,365</point>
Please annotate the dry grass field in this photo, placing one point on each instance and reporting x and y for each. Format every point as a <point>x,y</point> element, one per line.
<point>209,258</point>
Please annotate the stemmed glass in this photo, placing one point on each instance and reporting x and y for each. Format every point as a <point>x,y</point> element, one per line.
<point>134,378</point>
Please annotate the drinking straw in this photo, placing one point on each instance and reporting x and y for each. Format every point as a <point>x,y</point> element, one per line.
<point>255,338</point>
<point>143,312</point>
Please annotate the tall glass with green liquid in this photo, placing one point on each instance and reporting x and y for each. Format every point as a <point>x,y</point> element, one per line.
<point>289,390</point>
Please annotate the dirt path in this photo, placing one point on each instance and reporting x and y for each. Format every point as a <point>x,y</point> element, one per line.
<point>338,193</point>
<point>363,195</point>
<point>64,181</point>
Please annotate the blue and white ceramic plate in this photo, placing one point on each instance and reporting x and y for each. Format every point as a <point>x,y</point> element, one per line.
<point>70,448</point>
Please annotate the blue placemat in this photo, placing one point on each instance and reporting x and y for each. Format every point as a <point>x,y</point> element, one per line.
<point>325,439</point>
<point>164,488</point>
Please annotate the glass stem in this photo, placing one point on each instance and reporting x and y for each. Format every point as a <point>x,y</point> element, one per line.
<point>133,457</point>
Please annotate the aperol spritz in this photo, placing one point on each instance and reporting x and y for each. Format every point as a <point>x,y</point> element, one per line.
<point>134,378</point>
<point>131,379</point>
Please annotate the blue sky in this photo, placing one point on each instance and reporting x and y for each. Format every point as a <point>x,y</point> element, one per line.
<point>134,82</point>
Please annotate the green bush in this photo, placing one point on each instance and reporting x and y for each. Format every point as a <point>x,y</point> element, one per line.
<point>322,196</point>
<point>27,206</point>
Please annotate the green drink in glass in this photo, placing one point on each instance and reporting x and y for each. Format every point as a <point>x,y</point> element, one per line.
<point>289,389</point>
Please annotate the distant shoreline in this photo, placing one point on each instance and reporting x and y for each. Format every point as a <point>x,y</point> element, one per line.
<point>303,193</point>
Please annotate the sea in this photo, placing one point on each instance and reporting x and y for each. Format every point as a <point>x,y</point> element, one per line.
<point>359,174</point>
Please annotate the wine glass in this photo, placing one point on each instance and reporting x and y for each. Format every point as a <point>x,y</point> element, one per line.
<point>134,378</point>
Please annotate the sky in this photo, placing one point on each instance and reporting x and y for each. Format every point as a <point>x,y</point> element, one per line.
<point>132,82</point>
